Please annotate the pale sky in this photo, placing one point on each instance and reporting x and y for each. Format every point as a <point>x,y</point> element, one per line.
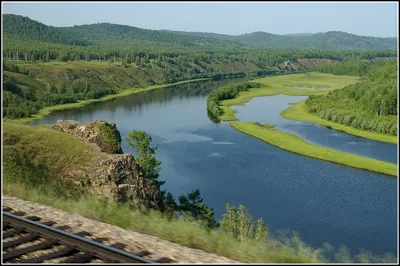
<point>379,19</point>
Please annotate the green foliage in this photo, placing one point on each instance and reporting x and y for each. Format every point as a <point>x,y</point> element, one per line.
<point>110,134</point>
<point>26,28</point>
<point>191,206</point>
<point>349,68</point>
<point>224,93</point>
<point>239,224</point>
<point>370,104</point>
<point>141,142</point>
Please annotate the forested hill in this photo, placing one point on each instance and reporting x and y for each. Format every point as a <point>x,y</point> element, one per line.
<point>15,26</point>
<point>110,34</point>
<point>19,27</point>
<point>332,40</point>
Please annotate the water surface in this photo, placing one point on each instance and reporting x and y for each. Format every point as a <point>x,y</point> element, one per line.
<point>322,201</point>
<point>266,110</point>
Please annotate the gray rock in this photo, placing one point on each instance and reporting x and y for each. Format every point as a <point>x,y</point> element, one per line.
<point>111,175</point>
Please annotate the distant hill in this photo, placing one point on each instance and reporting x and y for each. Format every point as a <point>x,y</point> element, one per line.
<point>332,40</point>
<point>15,26</point>
<point>25,28</point>
<point>21,27</point>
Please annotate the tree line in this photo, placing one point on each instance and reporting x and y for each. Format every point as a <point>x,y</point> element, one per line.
<point>225,93</point>
<point>370,104</point>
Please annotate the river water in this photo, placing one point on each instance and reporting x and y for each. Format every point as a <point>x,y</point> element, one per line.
<point>266,110</point>
<point>322,201</point>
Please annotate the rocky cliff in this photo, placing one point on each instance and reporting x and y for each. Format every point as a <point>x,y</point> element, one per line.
<point>105,135</point>
<point>112,174</point>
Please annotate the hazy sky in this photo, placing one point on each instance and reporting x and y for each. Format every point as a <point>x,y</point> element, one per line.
<point>369,19</point>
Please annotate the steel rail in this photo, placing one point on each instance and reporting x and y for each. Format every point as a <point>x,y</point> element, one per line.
<point>94,248</point>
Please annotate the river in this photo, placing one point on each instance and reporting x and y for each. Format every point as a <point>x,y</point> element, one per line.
<point>322,201</point>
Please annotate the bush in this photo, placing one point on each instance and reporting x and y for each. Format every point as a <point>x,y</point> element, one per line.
<point>239,224</point>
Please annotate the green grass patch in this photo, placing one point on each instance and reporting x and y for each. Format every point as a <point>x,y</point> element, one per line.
<point>45,145</point>
<point>293,143</point>
<point>299,112</point>
<point>110,134</point>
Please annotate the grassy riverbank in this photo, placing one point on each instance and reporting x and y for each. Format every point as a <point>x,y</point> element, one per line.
<point>287,84</point>
<point>299,112</point>
<point>47,110</point>
<point>293,143</point>
<point>284,85</point>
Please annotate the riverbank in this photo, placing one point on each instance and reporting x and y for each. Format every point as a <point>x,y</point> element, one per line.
<point>47,110</point>
<point>298,111</point>
<point>288,85</point>
<point>293,143</point>
<point>284,85</point>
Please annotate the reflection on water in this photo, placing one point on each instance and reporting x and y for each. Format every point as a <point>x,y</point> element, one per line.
<point>266,110</point>
<point>323,202</point>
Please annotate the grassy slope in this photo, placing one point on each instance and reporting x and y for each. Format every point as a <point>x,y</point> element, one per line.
<point>299,112</point>
<point>34,157</point>
<point>297,145</point>
<point>281,85</point>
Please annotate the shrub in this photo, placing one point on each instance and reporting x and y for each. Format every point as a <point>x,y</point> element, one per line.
<point>239,224</point>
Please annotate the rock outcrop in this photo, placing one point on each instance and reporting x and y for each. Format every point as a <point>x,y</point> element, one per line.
<point>110,174</point>
<point>105,135</point>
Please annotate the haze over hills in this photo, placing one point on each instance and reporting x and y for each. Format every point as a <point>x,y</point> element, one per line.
<point>332,40</point>
<point>19,27</point>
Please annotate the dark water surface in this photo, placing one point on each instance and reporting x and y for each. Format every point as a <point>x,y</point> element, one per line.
<point>266,110</point>
<point>322,201</point>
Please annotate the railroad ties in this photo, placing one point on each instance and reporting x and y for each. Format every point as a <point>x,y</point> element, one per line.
<point>28,239</point>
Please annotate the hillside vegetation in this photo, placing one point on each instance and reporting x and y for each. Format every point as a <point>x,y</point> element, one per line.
<point>370,104</point>
<point>46,66</point>
<point>332,40</point>
<point>111,34</point>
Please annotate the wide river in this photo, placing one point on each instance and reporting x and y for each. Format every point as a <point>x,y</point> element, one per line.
<point>322,201</point>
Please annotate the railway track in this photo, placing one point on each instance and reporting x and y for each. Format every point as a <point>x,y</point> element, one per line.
<point>31,240</point>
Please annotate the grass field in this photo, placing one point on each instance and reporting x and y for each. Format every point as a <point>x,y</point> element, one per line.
<point>284,85</point>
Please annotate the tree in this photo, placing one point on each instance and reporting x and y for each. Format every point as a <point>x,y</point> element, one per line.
<point>192,206</point>
<point>145,158</point>
<point>240,225</point>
